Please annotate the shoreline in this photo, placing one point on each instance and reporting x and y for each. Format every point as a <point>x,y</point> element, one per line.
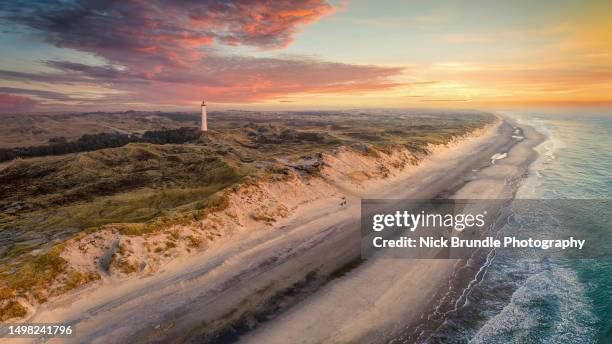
<point>268,242</point>
<point>418,277</point>
<point>458,286</point>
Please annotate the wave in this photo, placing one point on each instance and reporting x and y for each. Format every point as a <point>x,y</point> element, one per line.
<point>548,302</point>
<point>550,307</point>
<point>531,186</point>
<point>536,300</point>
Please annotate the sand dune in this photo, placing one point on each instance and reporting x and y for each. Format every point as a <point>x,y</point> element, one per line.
<point>385,297</point>
<point>296,281</point>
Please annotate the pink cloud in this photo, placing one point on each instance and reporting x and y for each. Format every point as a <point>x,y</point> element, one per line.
<point>163,52</point>
<point>13,103</point>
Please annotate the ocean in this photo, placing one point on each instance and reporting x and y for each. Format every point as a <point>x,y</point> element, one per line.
<point>542,299</point>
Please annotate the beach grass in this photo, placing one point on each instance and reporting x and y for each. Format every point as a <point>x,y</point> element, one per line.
<point>142,188</point>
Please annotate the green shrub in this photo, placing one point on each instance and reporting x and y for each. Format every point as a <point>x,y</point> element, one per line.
<point>193,241</point>
<point>37,272</point>
<point>13,309</point>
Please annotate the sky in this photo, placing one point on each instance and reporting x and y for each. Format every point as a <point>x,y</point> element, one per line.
<point>100,55</point>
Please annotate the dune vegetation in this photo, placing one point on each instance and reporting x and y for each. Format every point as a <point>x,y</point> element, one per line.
<point>144,187</point>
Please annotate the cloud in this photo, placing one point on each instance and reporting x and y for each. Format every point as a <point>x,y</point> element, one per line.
<point>444,100</point>
<point>245,79</point>
<point>38,93</point>
<point>13,103</point>
<point>252,78</point>
<point>161,52</point>
<point>171,31</point>
<point>94,72</point>
<point>221,78</point>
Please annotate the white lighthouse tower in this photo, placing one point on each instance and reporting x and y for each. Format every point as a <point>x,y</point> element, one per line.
<point>204,119</point>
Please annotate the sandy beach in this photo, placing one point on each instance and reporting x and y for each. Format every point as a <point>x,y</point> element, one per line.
<point>305,171</point>
<point>301,281</point>
<point>387,297</point>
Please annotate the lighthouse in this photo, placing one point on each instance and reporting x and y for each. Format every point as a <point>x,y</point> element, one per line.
<point>204,120</point>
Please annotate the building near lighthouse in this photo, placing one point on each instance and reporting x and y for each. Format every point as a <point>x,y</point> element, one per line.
<point>204,119</point>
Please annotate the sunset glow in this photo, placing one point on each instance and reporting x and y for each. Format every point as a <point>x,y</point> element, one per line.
<point>81,55</point>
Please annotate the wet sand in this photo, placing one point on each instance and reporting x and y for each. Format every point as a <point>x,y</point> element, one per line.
<point>302,282</point>
<point>385,299</point>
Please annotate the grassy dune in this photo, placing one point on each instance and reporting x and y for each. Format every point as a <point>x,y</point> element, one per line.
<point>143,187</point>
<point>54,197</point>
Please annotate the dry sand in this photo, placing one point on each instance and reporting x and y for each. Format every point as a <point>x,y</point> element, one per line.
<point>194,295</point>
<point>386,296</point>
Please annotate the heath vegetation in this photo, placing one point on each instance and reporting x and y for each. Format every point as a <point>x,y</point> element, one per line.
<point>141,173</point>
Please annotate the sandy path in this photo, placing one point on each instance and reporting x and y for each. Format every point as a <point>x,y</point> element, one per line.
<point>205,292</point>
